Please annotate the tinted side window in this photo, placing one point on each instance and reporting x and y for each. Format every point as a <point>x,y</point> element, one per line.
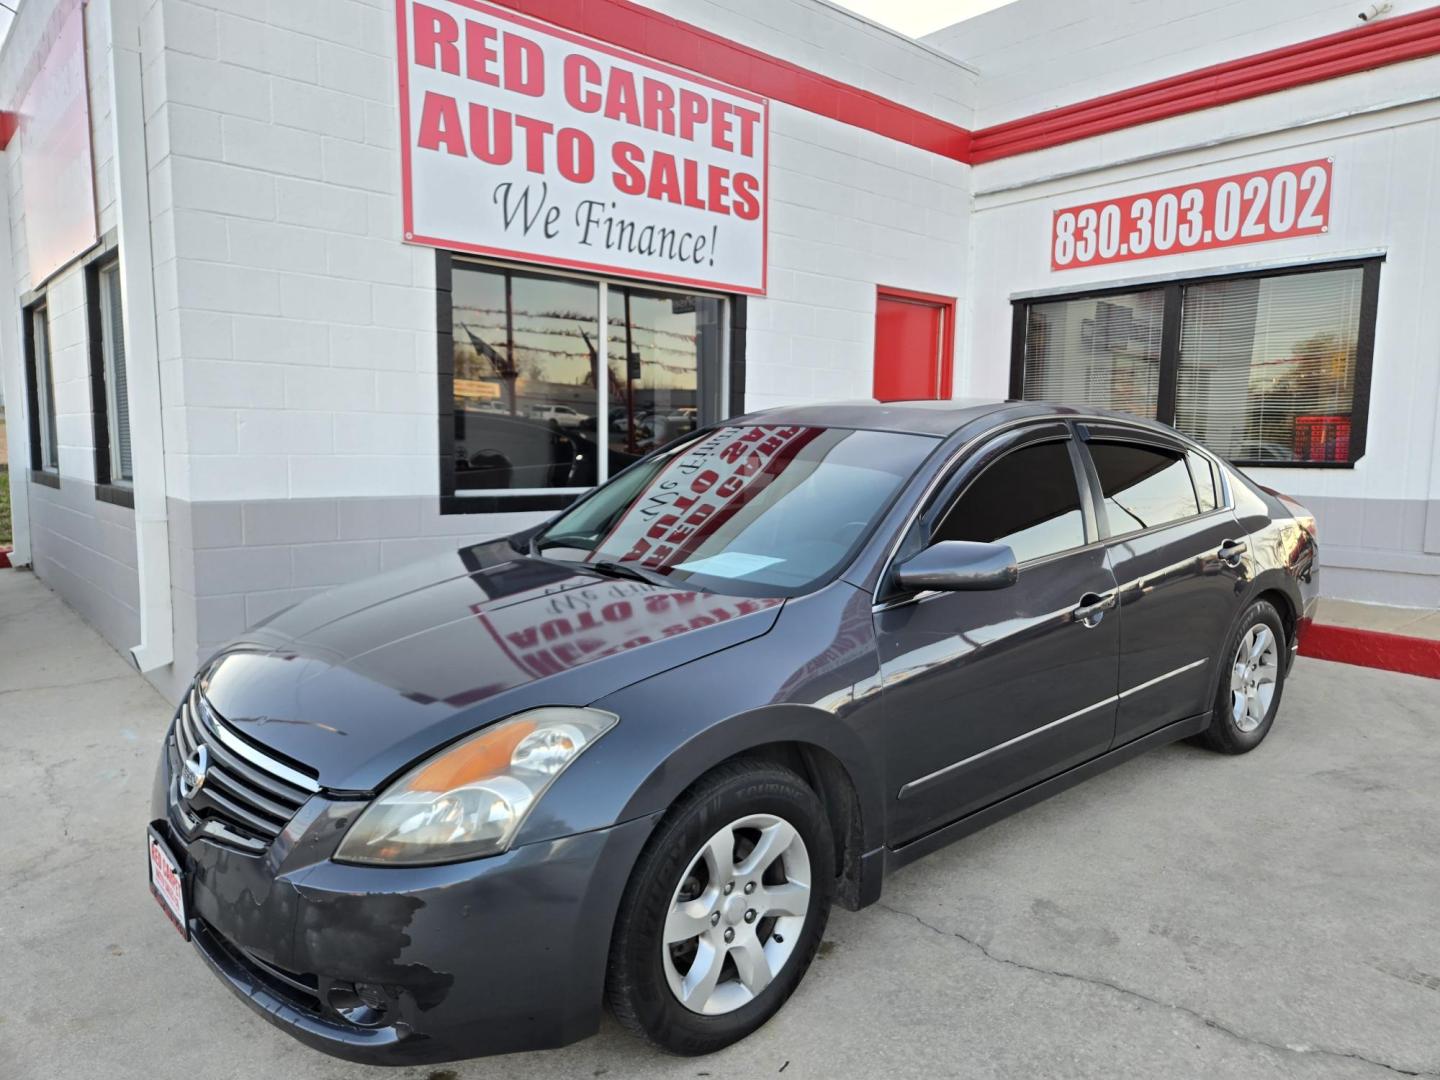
<point>1204,478</point>
<point>1144,486</point>
<point>1027,499</point>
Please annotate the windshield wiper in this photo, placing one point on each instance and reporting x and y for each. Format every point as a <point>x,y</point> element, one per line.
<point>580,541</point>
<point>624,570</point>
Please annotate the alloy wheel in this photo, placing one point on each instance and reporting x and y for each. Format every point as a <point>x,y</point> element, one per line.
<point>737,914</point>
<point>1252,677</point>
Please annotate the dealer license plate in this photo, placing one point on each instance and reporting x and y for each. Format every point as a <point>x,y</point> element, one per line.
<point>167,882</point>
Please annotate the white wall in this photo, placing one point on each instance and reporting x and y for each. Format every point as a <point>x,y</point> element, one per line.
<point>296,330</point>
<point>66,290</point>
<point>83,548</point>
<point>835,42</point>
<point>297,339</point>
<point>849,211</point>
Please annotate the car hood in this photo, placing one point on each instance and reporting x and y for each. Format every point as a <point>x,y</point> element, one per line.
<point>358,683</point>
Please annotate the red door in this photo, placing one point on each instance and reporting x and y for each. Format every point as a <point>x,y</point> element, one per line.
<point>913,345</point>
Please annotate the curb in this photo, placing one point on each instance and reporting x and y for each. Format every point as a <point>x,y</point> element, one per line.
<point>1373,649</point>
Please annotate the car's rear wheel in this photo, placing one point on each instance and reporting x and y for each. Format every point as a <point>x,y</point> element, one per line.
<point>1251,683</point>
<point>724,911</point>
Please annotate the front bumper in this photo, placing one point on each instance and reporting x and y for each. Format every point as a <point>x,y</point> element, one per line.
<point>481,957</point>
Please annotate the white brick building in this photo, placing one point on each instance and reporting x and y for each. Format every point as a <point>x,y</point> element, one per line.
<point>311,398</point>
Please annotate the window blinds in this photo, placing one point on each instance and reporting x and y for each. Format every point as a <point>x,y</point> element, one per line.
<point>1267,365</point>
<point>114,336</point>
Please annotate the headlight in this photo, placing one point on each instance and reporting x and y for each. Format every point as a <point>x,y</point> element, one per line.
<point>470,799</point>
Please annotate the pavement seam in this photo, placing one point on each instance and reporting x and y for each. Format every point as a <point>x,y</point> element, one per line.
<point>1207,1021</point>
<point>67,685</point>
<point>48,602</point>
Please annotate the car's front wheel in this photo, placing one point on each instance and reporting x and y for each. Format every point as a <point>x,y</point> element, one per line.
<point>724,911</point>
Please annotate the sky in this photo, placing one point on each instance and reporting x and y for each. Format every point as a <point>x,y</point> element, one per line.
<point>917,17</point>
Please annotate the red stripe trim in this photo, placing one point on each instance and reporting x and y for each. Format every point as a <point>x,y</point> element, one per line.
<point>645,31</point>
<point>9,124</point>
<point>1370,648</point>
<point>1408,37</point>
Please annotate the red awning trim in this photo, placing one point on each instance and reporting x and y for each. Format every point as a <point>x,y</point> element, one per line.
<point>661,37</point>
<point>643,30</point>
<point>650,33</point>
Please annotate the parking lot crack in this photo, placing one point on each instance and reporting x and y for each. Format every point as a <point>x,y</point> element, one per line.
<point>1199,1017</point>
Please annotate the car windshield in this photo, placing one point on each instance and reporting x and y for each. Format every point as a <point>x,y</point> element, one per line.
<point>759,510</point>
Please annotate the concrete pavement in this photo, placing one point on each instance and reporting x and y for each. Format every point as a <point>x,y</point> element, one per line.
<point>1185,915</point>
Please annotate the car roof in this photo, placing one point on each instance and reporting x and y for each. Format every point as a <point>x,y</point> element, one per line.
<point>936,419</point>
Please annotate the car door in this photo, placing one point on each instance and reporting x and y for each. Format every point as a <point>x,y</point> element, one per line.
<point>988,692</point>
<point>1180,565</point>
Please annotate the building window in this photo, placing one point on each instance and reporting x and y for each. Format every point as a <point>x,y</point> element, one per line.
<point>1100,351</point>
<point>1269,368</point>
<point>537,404</point>
<point>44,434</point>
<point>110,399</point>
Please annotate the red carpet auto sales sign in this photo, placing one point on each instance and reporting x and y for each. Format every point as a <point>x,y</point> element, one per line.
<point>525,141</point>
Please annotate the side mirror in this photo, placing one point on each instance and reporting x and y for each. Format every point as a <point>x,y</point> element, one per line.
<point>957,566</point>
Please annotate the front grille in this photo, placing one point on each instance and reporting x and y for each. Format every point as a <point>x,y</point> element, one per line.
<point>247,796</point>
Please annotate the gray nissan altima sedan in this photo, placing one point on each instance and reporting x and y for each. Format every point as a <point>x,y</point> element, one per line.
<point>633,756</point>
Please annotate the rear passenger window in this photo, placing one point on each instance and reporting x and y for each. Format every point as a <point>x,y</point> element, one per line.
<point>1144,486</point>
<point>1027,499</point>
<point>1204,477</point>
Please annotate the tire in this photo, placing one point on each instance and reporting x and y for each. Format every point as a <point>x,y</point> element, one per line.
<point>1238,726</point>
<point>678,885</point>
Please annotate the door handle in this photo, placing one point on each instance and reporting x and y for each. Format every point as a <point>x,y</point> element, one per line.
<point>1231,551</point>
<point>1092,608</point>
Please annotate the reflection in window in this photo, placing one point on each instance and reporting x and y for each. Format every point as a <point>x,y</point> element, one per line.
<point>1027,499</point>
<point>1267,365</point>
<point>527,382</point>
<point>1089,351</point>
<point>42,379</point>
<point>525,358</point>
<point>117,393</point>
<point>659,344</point>
<point>1262,369</point>
<point>1143,486</point>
